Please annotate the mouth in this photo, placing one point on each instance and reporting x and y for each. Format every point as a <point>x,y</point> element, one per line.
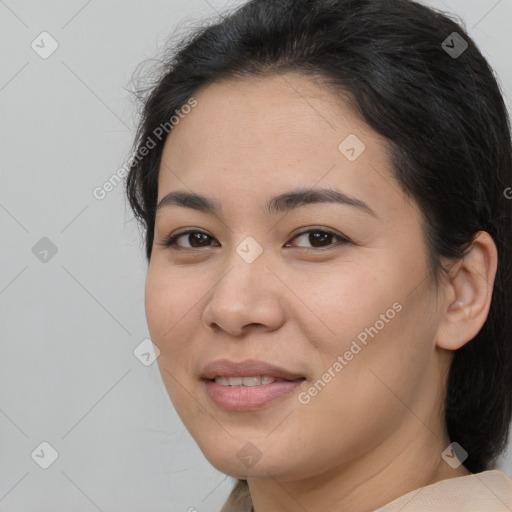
<point>250,381</point>
<point>250,370</point>
<point>248,385</point>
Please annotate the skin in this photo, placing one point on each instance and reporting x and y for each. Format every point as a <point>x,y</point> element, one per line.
<point>376,430</point>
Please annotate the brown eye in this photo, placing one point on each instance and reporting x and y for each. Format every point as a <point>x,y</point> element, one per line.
<point>195,239</point>
<point>319,238</point>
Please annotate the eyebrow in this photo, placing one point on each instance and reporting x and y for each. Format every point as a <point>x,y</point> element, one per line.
<point>281,203</point>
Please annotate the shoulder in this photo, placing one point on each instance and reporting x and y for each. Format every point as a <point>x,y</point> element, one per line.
<point>488,491</point>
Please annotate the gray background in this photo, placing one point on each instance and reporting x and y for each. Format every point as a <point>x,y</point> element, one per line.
<point>70,324</point>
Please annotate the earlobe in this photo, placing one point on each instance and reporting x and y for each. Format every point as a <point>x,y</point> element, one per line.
<point>469,294</point>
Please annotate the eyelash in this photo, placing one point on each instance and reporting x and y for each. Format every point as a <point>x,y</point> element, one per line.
<point>170,242</point>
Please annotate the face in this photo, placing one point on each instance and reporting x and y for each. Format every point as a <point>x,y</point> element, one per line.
<point>335,292</point>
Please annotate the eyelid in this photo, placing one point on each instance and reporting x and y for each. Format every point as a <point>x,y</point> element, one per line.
<point>166,242</point>
<point>342,239</point>
<point>307,229</point>
<point>170,241</point>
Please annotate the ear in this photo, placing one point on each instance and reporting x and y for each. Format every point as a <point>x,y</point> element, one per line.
<point>468,294</point>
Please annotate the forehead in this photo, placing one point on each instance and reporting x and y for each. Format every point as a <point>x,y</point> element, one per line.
<point>258,137</point>
<point>263,116</point>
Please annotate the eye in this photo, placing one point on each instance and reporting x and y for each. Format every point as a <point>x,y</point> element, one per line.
<point>200,239</point>
<point>318,237</point>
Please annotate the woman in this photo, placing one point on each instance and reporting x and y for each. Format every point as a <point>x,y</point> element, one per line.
<point>322,186</point>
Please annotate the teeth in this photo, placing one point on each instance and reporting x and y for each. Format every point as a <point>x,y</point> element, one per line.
<point>245,381</point>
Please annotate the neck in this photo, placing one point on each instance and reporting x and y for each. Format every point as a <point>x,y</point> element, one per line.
<point>365,484</point>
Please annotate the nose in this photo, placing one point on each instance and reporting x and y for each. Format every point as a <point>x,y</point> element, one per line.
<point>249,295</point>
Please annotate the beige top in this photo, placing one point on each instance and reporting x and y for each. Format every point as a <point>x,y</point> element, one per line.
<point>488,491</point>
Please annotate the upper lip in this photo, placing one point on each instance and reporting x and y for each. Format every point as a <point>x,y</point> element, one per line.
<point>247,368</point>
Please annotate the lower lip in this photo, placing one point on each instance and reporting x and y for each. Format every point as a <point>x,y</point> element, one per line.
<point>248,398</point>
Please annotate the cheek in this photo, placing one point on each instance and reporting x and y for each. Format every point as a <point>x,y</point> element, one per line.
<point>167,301</point>
<point>367,315</point>
<point>166,307</point>
<point>158,305</point>
<point>340,300</point>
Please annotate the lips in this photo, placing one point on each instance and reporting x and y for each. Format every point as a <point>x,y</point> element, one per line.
<point>245,399</point>
<point>247,368</point>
